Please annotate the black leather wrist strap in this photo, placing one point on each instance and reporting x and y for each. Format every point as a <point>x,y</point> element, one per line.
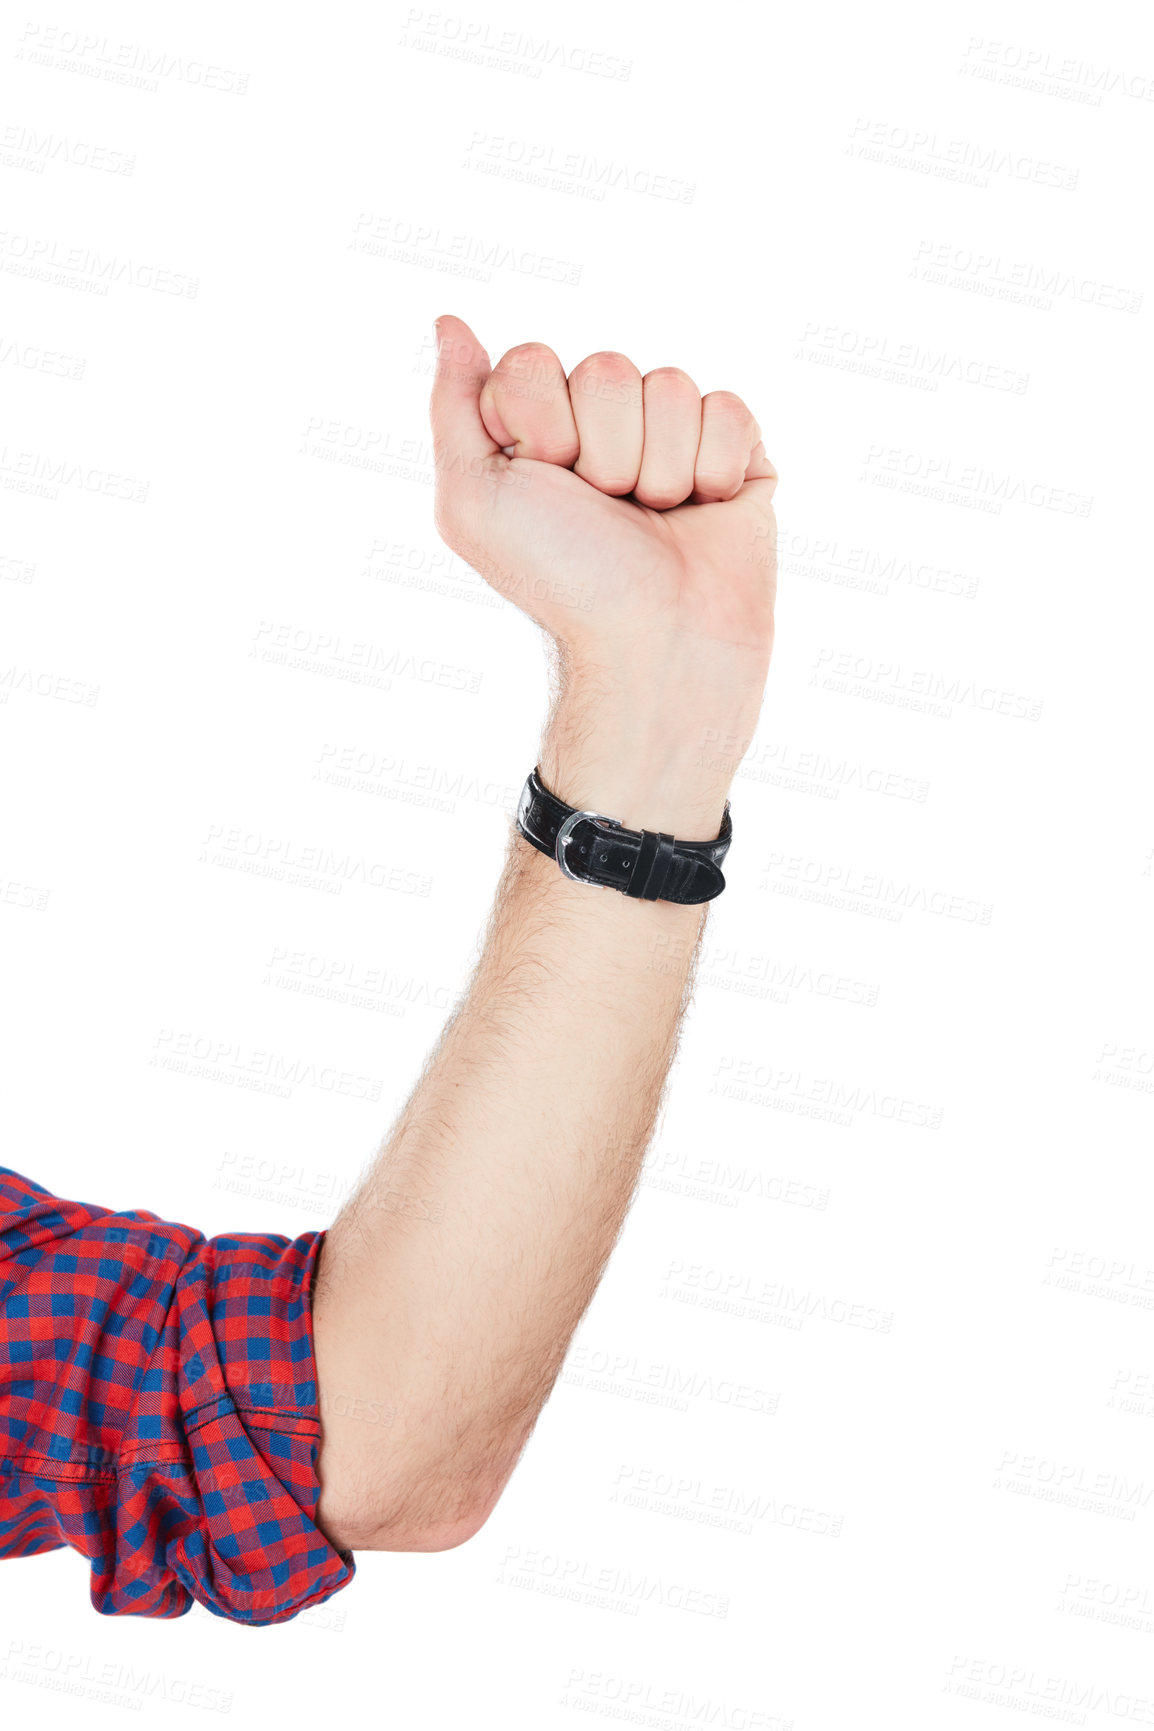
<point>594,849</point>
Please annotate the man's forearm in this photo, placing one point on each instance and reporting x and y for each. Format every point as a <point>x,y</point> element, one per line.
<point>465,1261</point>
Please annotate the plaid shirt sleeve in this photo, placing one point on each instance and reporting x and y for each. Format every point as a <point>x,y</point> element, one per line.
<point>158,1409</point>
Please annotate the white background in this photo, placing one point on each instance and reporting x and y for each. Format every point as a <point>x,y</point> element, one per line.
<point>858,1428</point>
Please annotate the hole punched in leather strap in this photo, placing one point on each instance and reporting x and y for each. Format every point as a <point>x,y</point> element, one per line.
<point>652,866</point>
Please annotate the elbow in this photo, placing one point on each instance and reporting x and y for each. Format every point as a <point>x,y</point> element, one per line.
<point>443,1536</point>
<point>366,1529</point>
<point>427,1506</point>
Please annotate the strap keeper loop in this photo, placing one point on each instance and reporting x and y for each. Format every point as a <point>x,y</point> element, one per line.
<point>652,866</point>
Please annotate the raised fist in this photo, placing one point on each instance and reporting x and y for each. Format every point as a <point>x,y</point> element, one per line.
<point>629,516</point>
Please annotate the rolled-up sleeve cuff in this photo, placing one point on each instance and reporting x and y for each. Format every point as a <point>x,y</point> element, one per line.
<point>234,1521</point>
<point>159,1409</point>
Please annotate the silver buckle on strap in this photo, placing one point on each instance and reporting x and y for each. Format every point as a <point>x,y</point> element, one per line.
<point>564,834</point>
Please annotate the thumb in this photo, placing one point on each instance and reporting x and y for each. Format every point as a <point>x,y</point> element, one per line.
<point>459,434</point>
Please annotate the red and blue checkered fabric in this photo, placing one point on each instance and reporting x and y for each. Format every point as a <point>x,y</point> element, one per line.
<point>158,1409</point>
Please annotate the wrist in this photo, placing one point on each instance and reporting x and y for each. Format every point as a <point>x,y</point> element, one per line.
<point>653,735</point>
<point>647,773</point>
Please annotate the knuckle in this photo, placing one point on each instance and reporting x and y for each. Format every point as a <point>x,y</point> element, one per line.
<point>530,360</point>
<point>606,364</point>
<point>717,482</point>
<point>605,480</point>
<point>670,376</point>
<point>728,407</point>
<point>661,498</point>
<point>561,453</point>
